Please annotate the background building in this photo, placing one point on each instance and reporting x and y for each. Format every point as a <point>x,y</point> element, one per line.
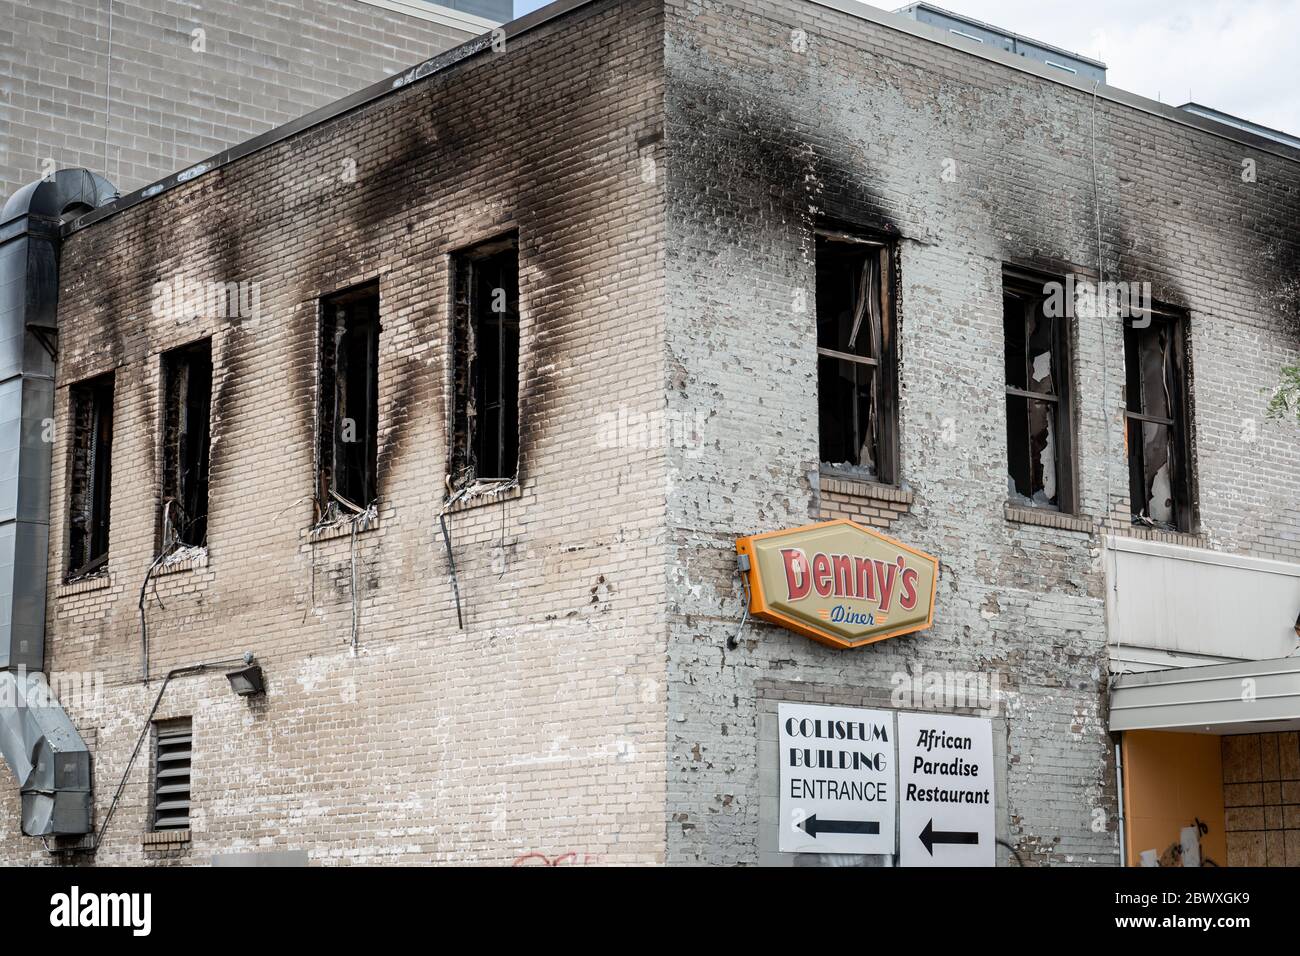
<point>142,88</point>
<point>486,643</point>
<point>968,28</point>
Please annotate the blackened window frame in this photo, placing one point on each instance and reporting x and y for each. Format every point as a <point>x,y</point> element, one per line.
<point>468,443</point>
<point>88,548</point>
<point>1174,324</point>
<point>886,468</point>
<point>365,303</point>
<point>186,422</point>
<point>1028,287</point>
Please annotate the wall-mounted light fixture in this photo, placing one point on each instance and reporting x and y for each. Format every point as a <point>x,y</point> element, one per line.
<point>247,681</point>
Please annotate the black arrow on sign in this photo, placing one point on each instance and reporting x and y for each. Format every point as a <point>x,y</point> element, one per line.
<point>930,836</point>
<point>812,826</point>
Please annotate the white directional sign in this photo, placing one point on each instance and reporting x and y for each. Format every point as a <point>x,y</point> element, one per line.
<point>837,780</point>
<point>945,790</point>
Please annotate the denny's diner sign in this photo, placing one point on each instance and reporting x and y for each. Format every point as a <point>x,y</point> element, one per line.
<point>839,583</point>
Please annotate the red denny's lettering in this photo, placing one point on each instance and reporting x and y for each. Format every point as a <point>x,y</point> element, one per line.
<point>849,576</point>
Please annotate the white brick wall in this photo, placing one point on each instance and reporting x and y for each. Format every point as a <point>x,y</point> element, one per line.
<point>765,139</point>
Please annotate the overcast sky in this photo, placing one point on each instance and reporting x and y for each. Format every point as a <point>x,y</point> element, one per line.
<point>1240,56</point>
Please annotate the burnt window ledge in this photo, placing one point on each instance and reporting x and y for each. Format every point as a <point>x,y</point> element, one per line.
<point>868,503</point>
<point>485,496</point>
<point>95,582</point>
<point>183,559</point>
<point>344,527</point>
<point>1043,517</point>
<point>836,483</point>
<point>1187,539</point>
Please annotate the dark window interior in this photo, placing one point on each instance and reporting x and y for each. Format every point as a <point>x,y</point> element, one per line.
<point>348,404</point>
<point>90,474</point>
<point>857,411</point>
<point>1039,411</point>
<point>486,350</point>
<point>1156,394</point>
<point>187,401</point>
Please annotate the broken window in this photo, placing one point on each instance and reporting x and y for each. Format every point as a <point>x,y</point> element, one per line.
<point>856,380</point>
<point>1040,420</point>
<point>485,347</point>
<point>348,402</point>
<point>173,748</point>
<point>187,400</point>
<point>90,474</point>
<point>1159,461</point>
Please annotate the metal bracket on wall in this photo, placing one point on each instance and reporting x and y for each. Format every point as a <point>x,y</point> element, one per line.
<point>48,336</point>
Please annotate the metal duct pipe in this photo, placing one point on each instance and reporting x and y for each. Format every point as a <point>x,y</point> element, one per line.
<point>38,741</point>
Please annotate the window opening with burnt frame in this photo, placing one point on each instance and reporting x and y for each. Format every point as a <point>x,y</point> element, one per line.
<point>1156,417</point>
<point>187,403</point>
<point>1040,411</point>
<point>347,403</point>
<point>90,475</point>
<point>485,351</point>
<point>857,394</point>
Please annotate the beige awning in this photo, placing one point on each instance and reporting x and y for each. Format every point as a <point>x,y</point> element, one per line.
<point>1237,698</point>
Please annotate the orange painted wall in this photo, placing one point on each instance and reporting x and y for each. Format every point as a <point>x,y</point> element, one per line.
<point>1170,779</point>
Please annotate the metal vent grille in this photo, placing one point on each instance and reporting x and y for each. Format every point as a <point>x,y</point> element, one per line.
<point>171,787</point>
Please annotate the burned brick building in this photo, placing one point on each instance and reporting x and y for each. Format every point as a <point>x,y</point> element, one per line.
<point>462,451</point>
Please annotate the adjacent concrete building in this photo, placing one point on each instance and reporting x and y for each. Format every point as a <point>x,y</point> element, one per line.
<point>471,433</point>
<point>977,31</point>
<point>139,89</point>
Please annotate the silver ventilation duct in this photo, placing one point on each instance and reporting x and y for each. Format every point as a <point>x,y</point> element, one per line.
<point>38,741</point>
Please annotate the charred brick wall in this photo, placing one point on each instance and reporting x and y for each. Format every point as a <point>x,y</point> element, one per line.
<point>781,114</point>
<point>537,732</point>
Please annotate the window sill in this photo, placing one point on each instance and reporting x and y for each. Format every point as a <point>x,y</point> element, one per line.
<point>868,503</point>
<point>97,582</point>
<point>862,488</point>
<point>1188,539</point>
<point>165,838</point>
<point>190,559</point>
<point>1049,519</point>
<point>486,497</point>
<point>345,528</point>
